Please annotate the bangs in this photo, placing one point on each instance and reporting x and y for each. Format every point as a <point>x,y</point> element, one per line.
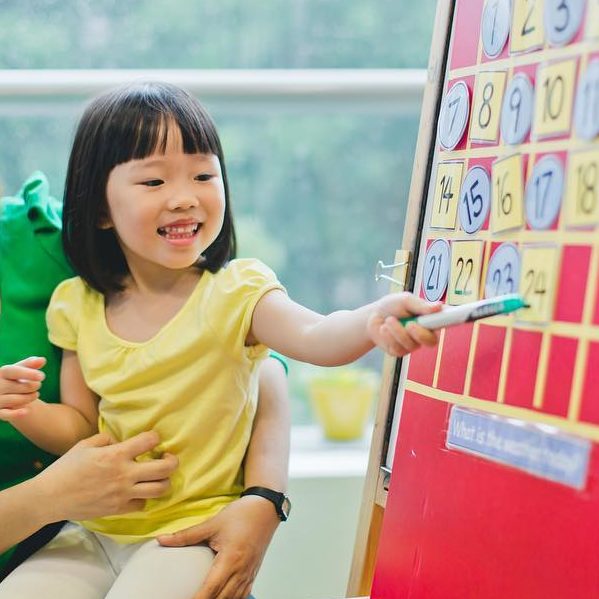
<point>144,116</point>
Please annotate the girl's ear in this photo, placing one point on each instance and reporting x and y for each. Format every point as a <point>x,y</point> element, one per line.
<point>105,225</point>
<point>104,221</point>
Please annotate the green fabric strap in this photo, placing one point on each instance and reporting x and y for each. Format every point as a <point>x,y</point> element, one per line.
<point>280,358</point>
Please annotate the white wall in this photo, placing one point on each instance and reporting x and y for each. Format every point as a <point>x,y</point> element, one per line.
<point>310,555</point>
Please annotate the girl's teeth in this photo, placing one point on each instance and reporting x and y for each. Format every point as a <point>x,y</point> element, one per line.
<point>178,230</point>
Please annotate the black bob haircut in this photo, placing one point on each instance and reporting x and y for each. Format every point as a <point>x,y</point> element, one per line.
<point>130,123</point>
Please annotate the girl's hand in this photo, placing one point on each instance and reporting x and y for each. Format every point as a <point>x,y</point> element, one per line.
<point>239,535</point>
<point>386,332</point>
<point>19,386</point>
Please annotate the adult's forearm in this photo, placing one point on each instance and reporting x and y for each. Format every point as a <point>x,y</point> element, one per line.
<point>267,457</point>
<point>22,512</point>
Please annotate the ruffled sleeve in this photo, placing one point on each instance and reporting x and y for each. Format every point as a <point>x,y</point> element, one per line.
<point>240,286</point>
<point>64,313</point>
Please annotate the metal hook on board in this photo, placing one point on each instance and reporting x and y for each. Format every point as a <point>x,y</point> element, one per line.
<point>380,267</point>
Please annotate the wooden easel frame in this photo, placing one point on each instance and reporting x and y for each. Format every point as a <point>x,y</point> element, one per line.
<point>377,477</point>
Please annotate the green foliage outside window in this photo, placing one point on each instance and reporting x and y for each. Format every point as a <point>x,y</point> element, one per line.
<point>214,34</point>
<point>318,191</point>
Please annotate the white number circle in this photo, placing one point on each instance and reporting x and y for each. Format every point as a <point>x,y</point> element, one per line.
<point>562,20</point>
<point>436,270</point>
<point>544,192</point>
<point>503,273</point>
<point>495,26</point>
<point>586,109</point>
<point>517,109</point>
<point>475,199</point>
<point>453,116</point>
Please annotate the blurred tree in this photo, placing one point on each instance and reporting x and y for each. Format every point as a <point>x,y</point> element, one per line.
<point>219,35</point>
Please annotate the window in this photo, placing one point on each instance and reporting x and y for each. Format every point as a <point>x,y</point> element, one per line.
<point>319,182</point>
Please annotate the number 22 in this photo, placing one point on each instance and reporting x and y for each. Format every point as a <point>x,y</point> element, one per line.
<point>463,266</point>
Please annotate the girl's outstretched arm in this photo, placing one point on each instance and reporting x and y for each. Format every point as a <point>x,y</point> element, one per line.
<point>241,533</point>
<point>54,427</point>
<point>343,336</point>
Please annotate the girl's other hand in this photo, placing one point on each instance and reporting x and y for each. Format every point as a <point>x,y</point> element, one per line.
<point>19,386</point>
<point>386,332</point>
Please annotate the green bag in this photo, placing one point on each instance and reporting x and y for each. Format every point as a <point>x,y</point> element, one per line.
<point>32,263</point>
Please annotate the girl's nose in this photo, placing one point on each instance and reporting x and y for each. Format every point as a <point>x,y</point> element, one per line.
<point>183,200</point>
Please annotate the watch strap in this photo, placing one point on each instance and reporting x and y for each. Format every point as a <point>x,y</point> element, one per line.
<point>277,498</point>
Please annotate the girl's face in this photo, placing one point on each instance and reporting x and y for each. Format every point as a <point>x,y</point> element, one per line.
<point>166,209</point>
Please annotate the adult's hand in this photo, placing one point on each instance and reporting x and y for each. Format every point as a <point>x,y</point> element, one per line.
<point>239,535</point>
<point>98,477</point>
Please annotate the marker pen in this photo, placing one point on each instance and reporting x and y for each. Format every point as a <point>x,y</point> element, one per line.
<point>452,315</point>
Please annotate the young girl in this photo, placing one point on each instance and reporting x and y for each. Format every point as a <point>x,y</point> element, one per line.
<point>32,264</point>
<point>163,331</point>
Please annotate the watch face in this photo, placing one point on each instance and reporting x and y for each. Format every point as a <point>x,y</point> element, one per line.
<point>286,506</point>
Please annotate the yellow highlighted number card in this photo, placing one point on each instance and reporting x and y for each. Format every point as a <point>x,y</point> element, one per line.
<point>446,195</point>
<point>528,31</point>
<point>537,282</point>
<point>506,194</point>
<point>582,189</point>
<point>486,108</point>
<point>554,97</point>
<point>464,276</point>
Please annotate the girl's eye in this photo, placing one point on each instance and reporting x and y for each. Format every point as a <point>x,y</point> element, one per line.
<point>152,182</point>
<point>204,177</point>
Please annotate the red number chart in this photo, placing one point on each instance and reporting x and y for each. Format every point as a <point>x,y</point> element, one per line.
<point>512,207</point>
<point>515,195</point>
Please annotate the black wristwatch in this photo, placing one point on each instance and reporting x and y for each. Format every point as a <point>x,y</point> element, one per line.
<point>279,500</point>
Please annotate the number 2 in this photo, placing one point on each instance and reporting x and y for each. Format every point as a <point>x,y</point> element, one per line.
<point>526,29</point>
